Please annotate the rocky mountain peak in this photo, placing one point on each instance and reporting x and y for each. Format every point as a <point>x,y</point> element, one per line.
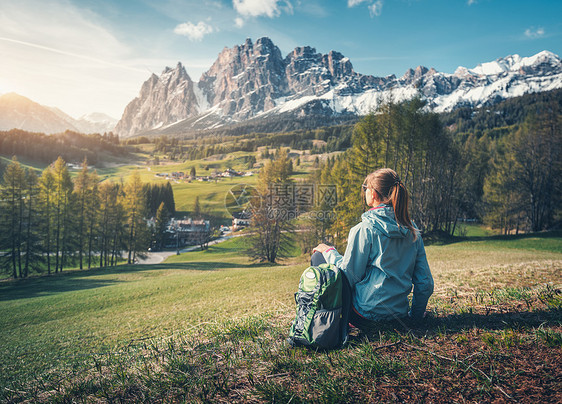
<point>302,52</point>
<point>412,75</point>
<point>245,79</point>
<point>161,101</point>
<point>252,80</point>
<point>265,46</point>
<point>338,65</point>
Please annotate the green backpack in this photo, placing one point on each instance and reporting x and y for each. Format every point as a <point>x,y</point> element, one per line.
<point>323,302</point>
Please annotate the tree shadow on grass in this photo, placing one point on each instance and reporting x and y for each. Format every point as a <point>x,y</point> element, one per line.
<point>74,280</point>
<point>460,323</point>
<point>205,265</point>
<point>44,286</point>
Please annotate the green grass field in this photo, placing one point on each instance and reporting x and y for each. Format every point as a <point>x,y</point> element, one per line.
<point>210,325</point>
<point>211,194</point>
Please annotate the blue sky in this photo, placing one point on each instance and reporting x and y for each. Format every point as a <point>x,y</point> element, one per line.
<point>93,55</point>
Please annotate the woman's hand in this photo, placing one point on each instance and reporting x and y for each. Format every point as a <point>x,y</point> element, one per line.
<point>320,248</point>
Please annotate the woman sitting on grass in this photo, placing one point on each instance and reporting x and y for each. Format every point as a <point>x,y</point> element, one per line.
<point>384,257</point>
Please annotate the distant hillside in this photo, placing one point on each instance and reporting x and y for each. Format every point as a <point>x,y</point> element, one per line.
<point>506,113</point>
<point>18,112</point>
<point>71,146</point>
<point>271,124</point>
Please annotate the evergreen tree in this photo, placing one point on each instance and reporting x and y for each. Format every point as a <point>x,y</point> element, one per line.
<point>251,162</point>
<point>82,185</point>
<point>161,223</point>
<point>47,216</point>
<point>62,203</point>
<point>111,224</point>
<point>196,208</point>
<point>91,222</point>
<point>12,195</point>
<point>134,203</point>
<point>524,183</point>
<point>367,147</point>
<point>537,149</point>
<point>169,199</point>
<point>32,248</point>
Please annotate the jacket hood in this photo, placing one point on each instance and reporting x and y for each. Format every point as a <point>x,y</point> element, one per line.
<point>382,218</point>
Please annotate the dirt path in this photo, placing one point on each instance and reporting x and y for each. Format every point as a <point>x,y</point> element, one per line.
<point>158,257</point>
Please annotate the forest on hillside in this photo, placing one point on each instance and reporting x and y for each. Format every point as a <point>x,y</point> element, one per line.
<point>493,121</point>
<point>52,222</point>
<point>71,146</point>
<point>511,182</point>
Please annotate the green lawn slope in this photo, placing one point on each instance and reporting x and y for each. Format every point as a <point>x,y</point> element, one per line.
<point>210,326</point>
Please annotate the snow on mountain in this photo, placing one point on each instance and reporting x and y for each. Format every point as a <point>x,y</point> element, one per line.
<point>253,81</point>
<point>515,63</point>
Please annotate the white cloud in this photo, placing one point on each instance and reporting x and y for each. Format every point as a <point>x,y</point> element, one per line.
<point>530,33</point>
<point>256,8</point>
<point>239,22</point>
<point>376,8</point>
<point>471,2</point>
<point>353,3</point>
<point>195,32</point>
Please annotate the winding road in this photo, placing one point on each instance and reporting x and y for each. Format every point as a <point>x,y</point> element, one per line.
<point>159,256</point>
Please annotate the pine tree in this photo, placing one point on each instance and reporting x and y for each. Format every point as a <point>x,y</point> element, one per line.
<point>91,222</point>
<point>82,184</point>
<point>111,222</point>
<point>366,151</point>
<point>169,199</point>
<point>62,202</point>
<point>12,195</point>
<point>32,250</point>
<point>537,148</point>
<point>161,223</point>
<point>134,204</point>
<point>196,208</point>
<point>47,209</point>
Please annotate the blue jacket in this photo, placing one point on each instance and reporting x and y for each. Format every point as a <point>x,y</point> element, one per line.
<point>382,262</point>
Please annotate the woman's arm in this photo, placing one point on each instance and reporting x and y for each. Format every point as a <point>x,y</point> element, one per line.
<point>423,283</point>
<point>356,258</point>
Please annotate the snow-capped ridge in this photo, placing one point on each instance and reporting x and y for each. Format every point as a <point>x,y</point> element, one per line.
<point>253,80</point>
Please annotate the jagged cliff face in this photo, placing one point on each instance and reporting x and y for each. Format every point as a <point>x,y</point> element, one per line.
<point>311,73</point>
<point>246,79</point>
<point>255,81</point>
<point>162,101</point>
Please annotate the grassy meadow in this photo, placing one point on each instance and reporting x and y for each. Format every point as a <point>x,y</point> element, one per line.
<point>210,326</point>
<point>211,193</point>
